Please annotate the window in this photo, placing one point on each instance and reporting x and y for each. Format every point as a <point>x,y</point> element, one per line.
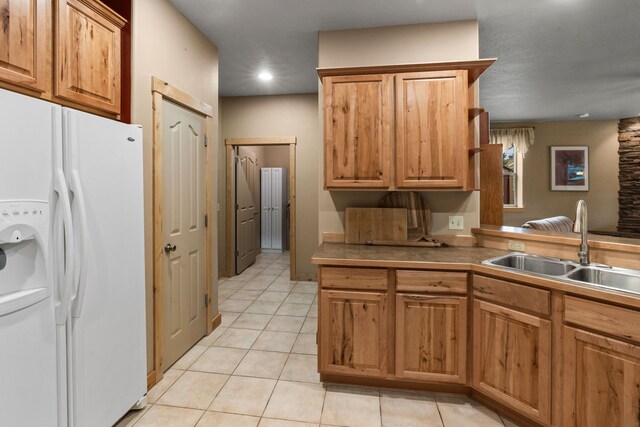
<point>515,143</point>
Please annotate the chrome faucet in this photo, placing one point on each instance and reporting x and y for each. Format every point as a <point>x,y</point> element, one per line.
<point>580,226</point>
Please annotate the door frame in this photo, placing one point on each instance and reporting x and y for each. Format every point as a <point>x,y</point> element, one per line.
<point>161,91</point>
<point>231,144</point>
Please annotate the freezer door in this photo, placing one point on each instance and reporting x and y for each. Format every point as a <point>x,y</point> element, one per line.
<point>108,365</point>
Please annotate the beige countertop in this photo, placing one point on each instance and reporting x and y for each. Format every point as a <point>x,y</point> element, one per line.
<point>455,258</point>
<point>450,258</point>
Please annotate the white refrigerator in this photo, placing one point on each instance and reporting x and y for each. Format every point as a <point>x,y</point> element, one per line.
<point>72,296</point>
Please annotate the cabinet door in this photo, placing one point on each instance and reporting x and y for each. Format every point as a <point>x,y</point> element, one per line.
<point>353,337</point>
<point>87,69</point>
<point>23,43</point>
<point>431,338</point>
<point>357,131</point>
<point>512,360</point>
<point>431,129</point>
<point>602,381</point>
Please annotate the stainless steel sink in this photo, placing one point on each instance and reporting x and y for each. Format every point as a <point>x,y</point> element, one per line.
<point>534,264</point>
<point>620,279</point>
<point>614,278</point>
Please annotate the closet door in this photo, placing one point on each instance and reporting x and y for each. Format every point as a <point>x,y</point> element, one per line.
<point>276,208</point>
<point>265,195</point>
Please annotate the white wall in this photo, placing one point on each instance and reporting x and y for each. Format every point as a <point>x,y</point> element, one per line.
<point>166,45</point>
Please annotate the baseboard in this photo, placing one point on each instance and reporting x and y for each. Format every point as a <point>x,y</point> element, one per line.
<point>395,384</point>
<point>151,379</point>
<point>216,321</point>
<point>330,237</point>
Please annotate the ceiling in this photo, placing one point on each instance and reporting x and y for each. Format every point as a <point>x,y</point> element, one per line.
<point>557,59</point>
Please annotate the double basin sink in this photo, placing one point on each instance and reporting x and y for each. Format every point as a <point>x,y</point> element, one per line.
<point>594,274</point>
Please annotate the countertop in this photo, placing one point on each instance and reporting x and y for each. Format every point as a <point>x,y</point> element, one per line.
<point>455,258</point>
<point>450,258</point>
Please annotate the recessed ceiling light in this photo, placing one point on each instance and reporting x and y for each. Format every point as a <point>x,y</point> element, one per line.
<point>265,76</point>
<point>584,115</point>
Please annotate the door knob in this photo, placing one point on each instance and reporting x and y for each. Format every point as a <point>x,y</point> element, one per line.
<point>170,248</point>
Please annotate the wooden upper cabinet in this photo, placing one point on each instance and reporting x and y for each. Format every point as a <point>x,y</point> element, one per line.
<point>602,381</point>
<point>87,49</point>
<point>24,36</point>
<point>357,131</point>
<point>512,359</point>
<point>431,338</point>
<point>353,333</point>
<point>431,129</point>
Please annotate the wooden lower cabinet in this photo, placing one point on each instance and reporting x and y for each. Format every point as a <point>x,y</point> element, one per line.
<point>353,333</point>
<point>512,359</point>
<point>601,381</point>
<point>431,338</point>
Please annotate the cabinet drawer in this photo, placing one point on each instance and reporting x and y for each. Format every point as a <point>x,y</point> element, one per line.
<point>617,321</point>
<point>354,278</point>
<point>508,293</point>
<point>431,281</point>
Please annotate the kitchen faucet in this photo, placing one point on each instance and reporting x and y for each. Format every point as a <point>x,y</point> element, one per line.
<point>580,226</point>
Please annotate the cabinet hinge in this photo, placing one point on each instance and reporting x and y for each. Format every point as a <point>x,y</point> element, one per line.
<point>205,141</point>
<point>237,206</point>
<point>206,220</point>
<point>206,300</point>
<point>237,253</point>
<point>237,159</point>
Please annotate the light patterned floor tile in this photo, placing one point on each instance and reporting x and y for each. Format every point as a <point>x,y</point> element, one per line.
<point>237,338</point>
<point>244,396</point>
<point>305,344</point>
<point>460,410</point>
<point>166,416</point>
<point>293,309</point>
<point>220,419</point>
<point>313,311</point>
<point>228,318</point>
<point>263,307</point>
<point>246,295</point>
<point>248,320</point>
<point>270,296</point>
<point>262,364</point>
<point>131,417</point>
<point>301,367</point>
<point>285,324</point>
<point>280,287</point>
<point>255,286</point>
<point>194,390</point>
<point>296,401</point>
<point>189,357</point>
<point>400,409</point>
<point>213,336</point>
<point>310,325</point>
<point>275,341</point>
<point>298,298</point>
<point>355,407</point>
<point>305,288</point>
<point>272,422</point>
<point>219,360</point>
<point>169,377</point>
<point>235,305</point>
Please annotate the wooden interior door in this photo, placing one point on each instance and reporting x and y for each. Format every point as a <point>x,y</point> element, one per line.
<point>183,229</point>
<point>431,129</point>
<point>354,333</point>
<point>23,42</point>
<point>357,131</point>
<point>512,359</point>
<point>602,381</point>
<point>431,338</point>
<point>246,225</point>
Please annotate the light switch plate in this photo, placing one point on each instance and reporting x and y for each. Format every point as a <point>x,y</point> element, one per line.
<point>456,222</point>
<point>515,245</point>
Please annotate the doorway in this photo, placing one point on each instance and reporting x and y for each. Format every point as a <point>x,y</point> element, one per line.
<point>182,238</point>
<point>236,244</point>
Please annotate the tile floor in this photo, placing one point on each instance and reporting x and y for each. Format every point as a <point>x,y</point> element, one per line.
<point>259,369</point>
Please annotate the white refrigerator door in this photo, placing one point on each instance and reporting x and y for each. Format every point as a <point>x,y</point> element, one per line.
<point>27,328</point>
<point>108,362</point>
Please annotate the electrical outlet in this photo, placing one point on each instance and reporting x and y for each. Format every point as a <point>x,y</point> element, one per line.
<point>456,222</point>
<point>514,245</point>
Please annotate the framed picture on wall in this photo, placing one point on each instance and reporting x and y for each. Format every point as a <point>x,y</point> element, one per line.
<point>570,168</point>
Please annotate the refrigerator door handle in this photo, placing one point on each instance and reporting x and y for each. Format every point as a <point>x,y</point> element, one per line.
<point>80,272</point>
<point>64,289</point>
